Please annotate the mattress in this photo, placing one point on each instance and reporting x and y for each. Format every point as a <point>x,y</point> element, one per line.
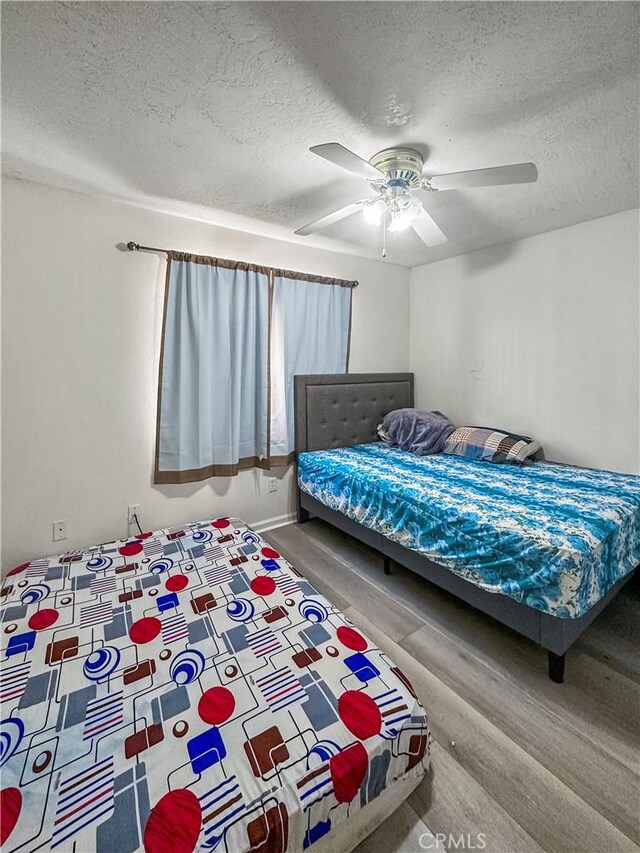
<point>188,689</point>
<point>555,537</point>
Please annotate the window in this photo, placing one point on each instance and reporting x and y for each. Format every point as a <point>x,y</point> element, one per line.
<point>234,336</point>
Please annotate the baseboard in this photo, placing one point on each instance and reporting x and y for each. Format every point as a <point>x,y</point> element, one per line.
<point>272,523</point>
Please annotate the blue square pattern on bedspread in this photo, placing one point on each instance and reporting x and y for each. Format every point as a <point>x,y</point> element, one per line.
<point>555,537</point>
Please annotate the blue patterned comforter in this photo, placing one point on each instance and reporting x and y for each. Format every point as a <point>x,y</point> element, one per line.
<point>555,537</point>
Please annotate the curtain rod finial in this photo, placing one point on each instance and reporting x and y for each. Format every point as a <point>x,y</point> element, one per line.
<point>132,247</point>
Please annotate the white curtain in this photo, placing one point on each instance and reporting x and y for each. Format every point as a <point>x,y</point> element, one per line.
<point>311,324</point>
<point>213,405</point>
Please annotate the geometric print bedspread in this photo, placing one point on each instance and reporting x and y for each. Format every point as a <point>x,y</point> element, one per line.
<point>188,689</point>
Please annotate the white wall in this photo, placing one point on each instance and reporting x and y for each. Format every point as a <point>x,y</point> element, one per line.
<point>540,337</point>
<point>81,326</point>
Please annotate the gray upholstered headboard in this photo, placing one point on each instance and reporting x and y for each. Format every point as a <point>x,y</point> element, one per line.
<point>343,409</point>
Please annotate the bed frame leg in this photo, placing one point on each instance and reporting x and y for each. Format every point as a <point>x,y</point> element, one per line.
<point>556,667</point>
<point>303,515</point>
<point>387,565</point>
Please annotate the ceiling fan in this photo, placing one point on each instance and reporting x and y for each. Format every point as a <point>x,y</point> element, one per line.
<point>395,176</point>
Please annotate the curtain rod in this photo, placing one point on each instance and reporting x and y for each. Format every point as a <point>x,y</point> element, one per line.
<point>136,247</point>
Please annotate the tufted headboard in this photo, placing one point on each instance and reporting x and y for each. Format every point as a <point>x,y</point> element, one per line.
<point>343,409</point>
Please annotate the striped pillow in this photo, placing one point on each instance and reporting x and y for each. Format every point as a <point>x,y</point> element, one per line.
<point>492,445</point>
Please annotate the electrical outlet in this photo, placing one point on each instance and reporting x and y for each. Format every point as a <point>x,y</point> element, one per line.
<point>272,484</point>
<point>59,530</point>
<point>132,509</point>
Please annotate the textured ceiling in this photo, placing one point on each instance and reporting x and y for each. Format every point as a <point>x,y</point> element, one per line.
<point>211,107</point>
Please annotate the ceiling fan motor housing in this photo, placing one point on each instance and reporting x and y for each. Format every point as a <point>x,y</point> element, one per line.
<point>400,164</point>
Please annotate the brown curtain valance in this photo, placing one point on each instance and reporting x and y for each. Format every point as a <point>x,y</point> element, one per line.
<point>316,279</point>
<point>172,255</point>
<point>217,262</point>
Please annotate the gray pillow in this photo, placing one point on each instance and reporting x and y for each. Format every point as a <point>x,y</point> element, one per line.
<point>415,431</point>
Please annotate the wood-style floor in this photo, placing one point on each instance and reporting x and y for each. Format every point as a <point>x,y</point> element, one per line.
<point>531,764</point>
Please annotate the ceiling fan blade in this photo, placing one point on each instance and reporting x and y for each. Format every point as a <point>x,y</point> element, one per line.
<point>329,219</point>
<point>341,156</point>
<point>518,173</point>
<point>427,230</point>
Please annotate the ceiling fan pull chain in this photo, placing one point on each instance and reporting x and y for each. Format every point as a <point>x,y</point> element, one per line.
<point>384,236</point>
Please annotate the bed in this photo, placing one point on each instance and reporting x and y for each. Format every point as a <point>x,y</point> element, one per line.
<point>188,689</point>
<point>542,548</point>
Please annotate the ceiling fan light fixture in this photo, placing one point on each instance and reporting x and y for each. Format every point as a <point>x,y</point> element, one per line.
<point>404,209</point>
<point>400,220</point>
<point>414,208</point>
<point>373,211</point>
